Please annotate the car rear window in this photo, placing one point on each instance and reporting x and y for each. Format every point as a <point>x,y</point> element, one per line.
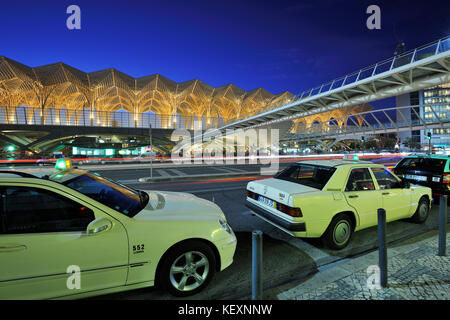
<point>423,164</point>
<point>309,175</point>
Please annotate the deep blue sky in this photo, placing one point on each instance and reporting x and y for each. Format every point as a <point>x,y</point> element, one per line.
<point>278,45</point>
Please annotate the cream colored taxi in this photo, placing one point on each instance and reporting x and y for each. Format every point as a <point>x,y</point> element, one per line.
<point>333,198</point>
<point>73,234</point>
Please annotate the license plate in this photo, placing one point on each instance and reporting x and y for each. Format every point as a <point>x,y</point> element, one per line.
<point>417,178</point>
<point>267,202</point>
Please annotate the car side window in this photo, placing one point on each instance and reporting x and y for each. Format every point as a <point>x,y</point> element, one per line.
<point>360,180</point>
<point>290,173</point>
<point>33,210</point>
<point>385,179</point>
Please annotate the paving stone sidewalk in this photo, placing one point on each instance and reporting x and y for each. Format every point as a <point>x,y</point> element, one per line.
<point>415,271</point>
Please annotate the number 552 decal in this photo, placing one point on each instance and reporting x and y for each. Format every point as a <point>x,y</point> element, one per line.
<point>139,248</point>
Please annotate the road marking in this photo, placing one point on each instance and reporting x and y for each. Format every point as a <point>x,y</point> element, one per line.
<point>230,170</point>
<point>217,189</point>
<point>177,172</point>
<point>163,173</point>
<point>236,170</point>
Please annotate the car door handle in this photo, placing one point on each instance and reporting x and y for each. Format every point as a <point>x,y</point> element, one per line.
<point>12,247</point>
<point>385,193</point>
<point>353,196</point>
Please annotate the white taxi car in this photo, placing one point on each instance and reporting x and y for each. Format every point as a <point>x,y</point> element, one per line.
<point>73,234</point>
<point>333,198</point>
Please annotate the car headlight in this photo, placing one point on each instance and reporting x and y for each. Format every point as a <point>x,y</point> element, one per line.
<point>225,226</point>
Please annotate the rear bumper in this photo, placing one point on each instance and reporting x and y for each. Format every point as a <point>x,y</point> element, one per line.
<point>438,193</point>
<point>278,222</point>
<point>436,197</point>
<point>437,189</point>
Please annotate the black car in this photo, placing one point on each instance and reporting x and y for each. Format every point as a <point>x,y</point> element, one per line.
<point>428,170</point>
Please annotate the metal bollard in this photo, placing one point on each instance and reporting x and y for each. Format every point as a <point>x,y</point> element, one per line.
<point>442,226</point>
<point>382,250</point>
<point>257,265</point>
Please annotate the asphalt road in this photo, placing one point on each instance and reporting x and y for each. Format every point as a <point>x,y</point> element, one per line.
<point>131,175</point>
<point>285,258</point>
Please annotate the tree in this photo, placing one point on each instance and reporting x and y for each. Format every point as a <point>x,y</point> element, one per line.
<point>386,142</point>
<point>371,144</point>
<point>411,143</point>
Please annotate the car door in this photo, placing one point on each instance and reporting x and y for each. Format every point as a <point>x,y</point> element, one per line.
<point>45,251</point>
<point>361,194</point>
<point>396,200</point>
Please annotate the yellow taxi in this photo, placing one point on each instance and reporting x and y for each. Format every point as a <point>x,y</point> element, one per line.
<point>74,234</point>
<point>333,198</point>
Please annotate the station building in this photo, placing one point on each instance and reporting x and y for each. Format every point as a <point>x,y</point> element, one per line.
<point>59,108</point>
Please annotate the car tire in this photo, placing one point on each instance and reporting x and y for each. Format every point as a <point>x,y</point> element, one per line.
<point>339,232</point>
<point>181,277</point>
<point>422,211</point>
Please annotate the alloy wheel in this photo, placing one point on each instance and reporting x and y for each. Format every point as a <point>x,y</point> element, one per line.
<point>189,271</point>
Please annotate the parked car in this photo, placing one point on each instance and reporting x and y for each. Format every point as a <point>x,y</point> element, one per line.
<point>330,199</point>
<point>82,159</point>
<point>49,161</point>
<point>118,238</point>
<point>428,170</point>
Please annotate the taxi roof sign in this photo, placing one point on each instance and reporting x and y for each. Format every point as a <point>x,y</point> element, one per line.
<point>63,164</point>
<point>352,157</point>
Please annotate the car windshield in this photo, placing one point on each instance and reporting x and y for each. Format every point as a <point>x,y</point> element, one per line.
<point>313,176</point>
<point>423,164</point>
<point>110,193</point>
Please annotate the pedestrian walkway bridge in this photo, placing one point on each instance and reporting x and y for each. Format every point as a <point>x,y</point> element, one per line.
<point>381,121</point>
<point>420,68</point>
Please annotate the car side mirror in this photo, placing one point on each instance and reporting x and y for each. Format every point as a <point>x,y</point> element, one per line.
<point>406,184</point>
<point>98,226</point>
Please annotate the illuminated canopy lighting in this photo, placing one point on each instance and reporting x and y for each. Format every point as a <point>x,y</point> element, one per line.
<point>114,91</point>
<point>353,157</point>
<point>63,164</point>
<point>96,94</point>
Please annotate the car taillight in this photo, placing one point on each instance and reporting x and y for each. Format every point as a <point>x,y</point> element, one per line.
<point>293,212</point>
<point>446,178</point>
<point>252,195</point>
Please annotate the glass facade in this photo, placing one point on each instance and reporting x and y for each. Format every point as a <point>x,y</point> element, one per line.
<point>414,99</point>
<point>439,96</point>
